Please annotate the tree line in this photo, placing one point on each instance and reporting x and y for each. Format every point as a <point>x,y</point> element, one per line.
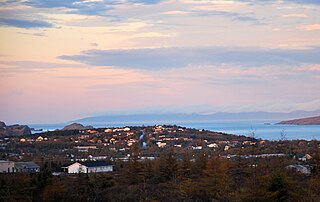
<point>192,177</point>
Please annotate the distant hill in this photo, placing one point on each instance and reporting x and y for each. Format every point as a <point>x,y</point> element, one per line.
<point>176,118</point>
<point>13,130</point>
<point>2,124</point>
<point>76,126</point>
<point>304,121</point>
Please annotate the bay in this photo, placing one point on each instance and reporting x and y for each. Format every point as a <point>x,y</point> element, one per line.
<point>259,128</point>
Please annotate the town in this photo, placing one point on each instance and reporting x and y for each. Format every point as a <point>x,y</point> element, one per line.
<point>125,154</point>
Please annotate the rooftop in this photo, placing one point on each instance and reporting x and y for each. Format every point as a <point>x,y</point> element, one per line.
<point>96,163</point>
<point>26,165</point>
<point>4,161</point>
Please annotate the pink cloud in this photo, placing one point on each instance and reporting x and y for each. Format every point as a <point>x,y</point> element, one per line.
<point>309,68</point>
<point>311,27</point>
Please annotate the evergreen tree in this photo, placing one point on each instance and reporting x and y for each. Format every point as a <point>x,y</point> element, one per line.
<point>185,167</point>
<point>278,187</point>
<point>168,166</point>
<point>316,158</point>
<point>134,170</point>
<point>215,179</point>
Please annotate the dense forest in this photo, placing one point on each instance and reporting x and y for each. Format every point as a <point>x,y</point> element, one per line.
<point>168,178</point>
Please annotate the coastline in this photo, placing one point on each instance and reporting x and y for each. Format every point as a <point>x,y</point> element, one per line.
<point>261,130</point>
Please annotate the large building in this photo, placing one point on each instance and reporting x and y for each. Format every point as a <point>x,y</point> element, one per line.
<point>6,166</point>
<point>29,167</point>
<point>12,167</point>
<point>89,167</point>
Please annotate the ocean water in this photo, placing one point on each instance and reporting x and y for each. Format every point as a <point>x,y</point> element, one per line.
<point>261,129</point>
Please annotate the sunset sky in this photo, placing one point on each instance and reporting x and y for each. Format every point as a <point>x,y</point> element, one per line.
<point>62,60</point>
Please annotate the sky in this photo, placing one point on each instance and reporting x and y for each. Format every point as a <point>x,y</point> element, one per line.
<point>68,59</point>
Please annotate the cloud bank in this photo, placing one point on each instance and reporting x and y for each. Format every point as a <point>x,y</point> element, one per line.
<point>20,23</point>
<point>86,7</point>
<point>180,57</point>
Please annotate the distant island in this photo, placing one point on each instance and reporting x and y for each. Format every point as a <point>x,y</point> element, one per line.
<point>304,121</point>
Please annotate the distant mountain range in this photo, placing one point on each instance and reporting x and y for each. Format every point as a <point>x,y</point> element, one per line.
<point>304,121</point>
<point>179,118</point>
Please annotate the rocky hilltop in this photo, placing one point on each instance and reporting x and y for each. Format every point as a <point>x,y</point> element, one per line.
<point>76,126</point>
<point>13,130</point>
<point>304,121</point>
<point>2,124</point>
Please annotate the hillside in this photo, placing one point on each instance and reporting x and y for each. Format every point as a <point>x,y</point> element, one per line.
<point>304,121</point>
<point>13,130</point>
<point>76,126</point>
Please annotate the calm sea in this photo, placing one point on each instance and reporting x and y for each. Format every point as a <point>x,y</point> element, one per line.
<point>261,129</point>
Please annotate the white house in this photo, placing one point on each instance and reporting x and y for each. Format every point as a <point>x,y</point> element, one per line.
<point>161,144</point>
<point>39,139</point>
<point>97,158</point>
<point>6,166</point>
<point>197,147</point>
<point>85,148</point>
<point>213,145</point>
<point>305,169</point>
<point>89,167</point>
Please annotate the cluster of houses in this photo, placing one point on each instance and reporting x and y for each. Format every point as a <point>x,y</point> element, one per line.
<point>117,141</point>
<point>98,145</point>
<point>13,167</point>
<point>121,139</point>
<point>38,139</point>
<point>162,137</point>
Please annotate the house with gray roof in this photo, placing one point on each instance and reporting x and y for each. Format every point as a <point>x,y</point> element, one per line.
<point>305,169</point>
<point>29,167</point>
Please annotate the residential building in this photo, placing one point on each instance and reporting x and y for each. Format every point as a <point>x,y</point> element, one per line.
<point>161,144</point>
<point>6,166</point>
<point>29,167</point>
<point>197,147</point>
<point>303,157</point>
<point>89,167</point>
<point>213,145</point>
<point>305,169</point>
<point>85,148</point>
